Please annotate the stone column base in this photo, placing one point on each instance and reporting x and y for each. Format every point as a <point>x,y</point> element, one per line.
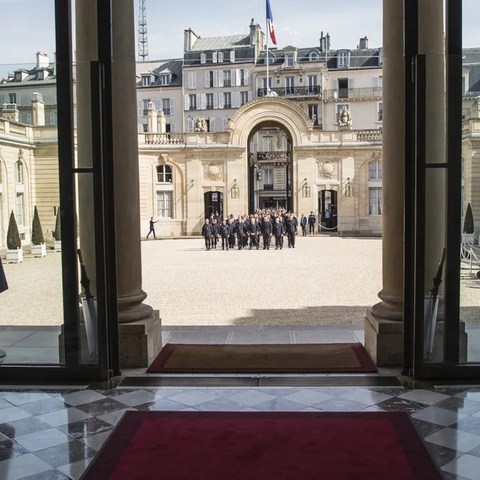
<point>384,341</point>
<point>140,342</point>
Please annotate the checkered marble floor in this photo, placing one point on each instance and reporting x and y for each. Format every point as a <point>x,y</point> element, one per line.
<point>55,434</point>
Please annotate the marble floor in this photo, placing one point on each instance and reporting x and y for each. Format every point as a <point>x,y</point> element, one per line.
<point>40,344</point>
<point>55,434</point>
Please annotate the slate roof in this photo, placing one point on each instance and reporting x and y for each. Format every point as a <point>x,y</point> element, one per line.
<point>156,68</point>
<point>220,43</point>
<point>471,62</point>
<point>31,78</point>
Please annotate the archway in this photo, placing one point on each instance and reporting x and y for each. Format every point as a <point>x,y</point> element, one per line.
<point>285,121</point>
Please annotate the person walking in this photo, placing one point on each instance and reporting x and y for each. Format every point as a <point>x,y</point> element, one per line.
<point>207,233</point>
<point>152,227</point>
<point>311,223</point>
<point>225,231</point>
<point>278,231</point>
<point>303,223</point>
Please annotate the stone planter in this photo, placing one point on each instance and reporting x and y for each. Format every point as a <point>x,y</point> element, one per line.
<point>39,250</point>
<point>15,256</point>
<point>57,245</point>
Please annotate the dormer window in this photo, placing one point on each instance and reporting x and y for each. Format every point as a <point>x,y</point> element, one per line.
<point>41,75</point>
<point>18,76</point>
<point>314,57</point>
<point>343,59</point>
<point>289,60</point>
<point>165,79</point>
<point>146,80</point>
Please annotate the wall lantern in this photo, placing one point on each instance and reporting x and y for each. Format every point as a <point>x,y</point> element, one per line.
<point>306,190</point>
<point>235,190</point>
<point>348,188</point>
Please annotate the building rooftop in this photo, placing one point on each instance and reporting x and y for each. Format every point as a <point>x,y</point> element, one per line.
<point>220,43</point>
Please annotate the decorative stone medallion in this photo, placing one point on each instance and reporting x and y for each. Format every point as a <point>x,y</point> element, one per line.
<point>213,171</point>
<point>328,169</point>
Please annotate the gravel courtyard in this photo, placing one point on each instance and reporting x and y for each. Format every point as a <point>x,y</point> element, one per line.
<point>324,280</point>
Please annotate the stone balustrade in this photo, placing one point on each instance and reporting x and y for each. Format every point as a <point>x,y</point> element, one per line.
<point>162,138</point>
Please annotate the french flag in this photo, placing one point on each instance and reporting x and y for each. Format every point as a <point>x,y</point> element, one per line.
<point>271,28</point>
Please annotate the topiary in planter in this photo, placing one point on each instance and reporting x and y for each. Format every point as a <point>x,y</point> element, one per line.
<point>57,234</point>
<point>37,234</point>
<point>13,237</point>
<point>468,226</point>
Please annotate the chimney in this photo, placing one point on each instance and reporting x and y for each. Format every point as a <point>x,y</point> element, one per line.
<point>323,43</point>
<point>190,37</point>
<point>253,35</point>
<point>42,60</point>
<point>152,118</point>
<point>363,43</point>
<point>38,107</point>
<point>328,42</point>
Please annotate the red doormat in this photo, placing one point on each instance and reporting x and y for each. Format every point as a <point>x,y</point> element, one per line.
<point>286,358</point>
<point>264,446</point>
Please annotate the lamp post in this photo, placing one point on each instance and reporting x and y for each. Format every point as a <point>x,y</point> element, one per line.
<point>235,192</point>
<point>348,188</point>
<point>306,190</point>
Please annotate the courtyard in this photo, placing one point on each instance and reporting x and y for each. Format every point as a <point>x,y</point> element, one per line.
<point>216,296</point>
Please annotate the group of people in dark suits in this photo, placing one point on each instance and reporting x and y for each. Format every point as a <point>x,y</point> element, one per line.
<point>251,230</point>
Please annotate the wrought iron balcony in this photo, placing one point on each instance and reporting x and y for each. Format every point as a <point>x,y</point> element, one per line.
<point>354,93</point>
<point>306,91</point>
<point>282,156</point>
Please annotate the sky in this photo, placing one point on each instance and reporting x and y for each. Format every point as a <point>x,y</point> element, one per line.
<point>28,25</point>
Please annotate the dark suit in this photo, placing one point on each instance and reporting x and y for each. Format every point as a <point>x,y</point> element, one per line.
<point>266,232</point>
<point>207,233</point>
<point>291,228</point>
<point>3,279</point>
<point>303,223</point>
<point>311,223</point>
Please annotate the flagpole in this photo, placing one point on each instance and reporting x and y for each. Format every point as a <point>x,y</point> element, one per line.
<point>267,34</point>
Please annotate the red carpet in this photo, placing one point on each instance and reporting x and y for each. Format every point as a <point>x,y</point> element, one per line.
<point>264,446</point>
<point>279,358</point>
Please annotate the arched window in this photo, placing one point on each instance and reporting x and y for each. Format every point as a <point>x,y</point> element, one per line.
<point>314,56</point>
<point>19,172</point>
<point>164,174</point>
<point>375,195</point>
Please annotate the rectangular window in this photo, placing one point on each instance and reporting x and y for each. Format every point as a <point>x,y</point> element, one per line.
<point>20,208</point>
<point>227,78</point>
<point>227,100</point>
<point>379,111</point>
<point>165,79</point>
<point>375,201</point>
<point>268,143</point>
<point>343,87</point>
<point>244,98</point>
<point>146,81</point>
<point>192,102</point>
<point>209,101</point>
<point>313,113</point>
<point>145,107</point>
<point>343,59</point>
<point>210,74</point>
<point>166,106</point>
<point>313,83</point>
<point>12,98</point>
<point>145,127</point>
<point>375,170</point>
<point>289,60</point>
<point>53,118</point>
<point>164,204</point>
<point>29,119</point>
<point>290,85</point>
<point>268,179</point>
<point>242,77</point>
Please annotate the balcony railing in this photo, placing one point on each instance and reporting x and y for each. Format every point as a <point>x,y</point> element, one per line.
<point>370,135</point>
<point>354,93</point>
<point>280,156</point>
<point>307,91</point>
<point>164,138</point>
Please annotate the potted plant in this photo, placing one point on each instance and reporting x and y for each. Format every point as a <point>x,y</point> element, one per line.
<point>14,244</point>
<point>57,234</point>
<point>39,248</point>
<point>468,227</point>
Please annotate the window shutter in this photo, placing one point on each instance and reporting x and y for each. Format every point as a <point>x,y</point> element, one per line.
<point>220,57</point>
<point>375,82</point>
<point>232,56</point>
<point>190,125</point>
<point>6,98</point>
<point>173,127</point>
<point>158,104</point>
<point>203,101</point>
<point>239,100</point>
<point>215,78</point>
<point>350,83</point>
<point>233,77</point>
<point>238,77</point>
<point>335,84</point>
<point>172,106</point>
<point>207,79</point>
<point>247,75</point>
<point>215,100</point>
<point>140,108</point>
<point>220,100</point>
<point>212,124</point>
<point>29,118</point>
<point>250,96</point>
<point>220,78</point>
<point>187,102</point>
<point>224,124</point>
<point>203,58</point>
<point>19,99</point>
<point>214,57</point>
<point>194,79</point>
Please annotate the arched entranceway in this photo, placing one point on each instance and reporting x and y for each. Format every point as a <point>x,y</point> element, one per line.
<point>288,124</point>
